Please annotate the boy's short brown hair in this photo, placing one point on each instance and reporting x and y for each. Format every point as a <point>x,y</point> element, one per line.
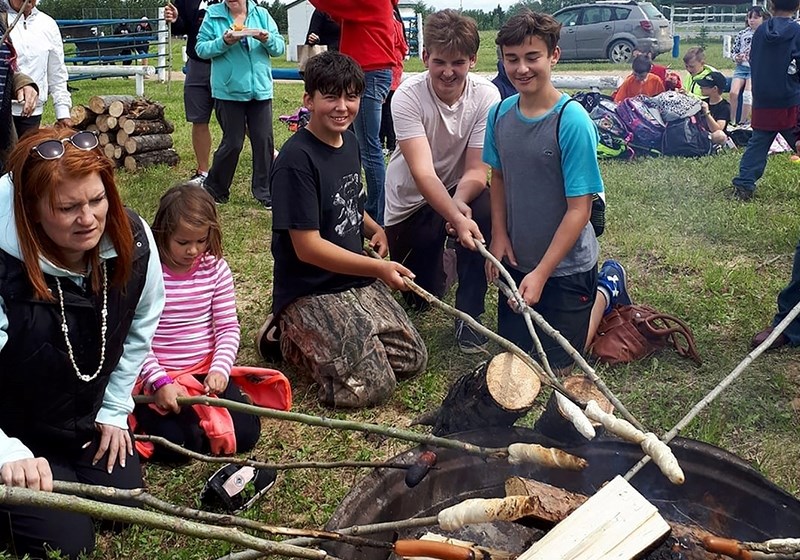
<point>526,24</point>
<point>695,53</point>
<point>448,31</point>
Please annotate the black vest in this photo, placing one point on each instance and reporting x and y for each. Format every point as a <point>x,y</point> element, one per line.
<point>42,401</point>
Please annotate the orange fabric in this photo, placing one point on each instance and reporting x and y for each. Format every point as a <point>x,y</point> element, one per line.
<point>631,87</point>
<point>265,387</point>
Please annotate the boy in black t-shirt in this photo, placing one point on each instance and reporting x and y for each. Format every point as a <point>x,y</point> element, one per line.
<point>716,111</point>
<point>336,322</point>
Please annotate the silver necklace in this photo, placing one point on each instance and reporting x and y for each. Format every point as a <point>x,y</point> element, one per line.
<point>103,328</point>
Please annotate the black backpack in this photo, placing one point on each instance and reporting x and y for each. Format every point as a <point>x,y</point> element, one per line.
<point>687,137</point>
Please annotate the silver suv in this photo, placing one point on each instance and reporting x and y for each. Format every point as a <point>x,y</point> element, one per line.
<point>612,30</point>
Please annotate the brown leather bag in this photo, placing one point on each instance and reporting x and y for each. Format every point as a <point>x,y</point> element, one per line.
<point>632,332</point>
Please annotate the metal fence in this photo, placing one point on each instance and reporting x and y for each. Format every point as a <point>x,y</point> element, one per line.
<point>104,47</point>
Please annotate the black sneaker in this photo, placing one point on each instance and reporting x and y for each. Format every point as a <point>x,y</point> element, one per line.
<point>268,340</point>
<point>742,195</point>
<point>469,341</point>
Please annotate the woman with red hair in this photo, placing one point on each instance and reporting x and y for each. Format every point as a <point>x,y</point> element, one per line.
<point>81,292</point>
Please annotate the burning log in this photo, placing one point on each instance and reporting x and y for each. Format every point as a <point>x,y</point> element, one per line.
<point>551,504</point>
<point>555,422</point>
<point>486,510</point>
<point>496,393</point>
<point>617,522</point>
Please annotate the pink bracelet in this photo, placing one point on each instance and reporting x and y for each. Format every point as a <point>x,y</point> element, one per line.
<point>160,382</point>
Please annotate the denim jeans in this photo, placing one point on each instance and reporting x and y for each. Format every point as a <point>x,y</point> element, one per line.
<point>754,159</point>
<point>787,299</point>
<point>368,127</point>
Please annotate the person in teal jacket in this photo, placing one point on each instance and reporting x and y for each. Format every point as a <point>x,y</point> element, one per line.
<point>239,38</point>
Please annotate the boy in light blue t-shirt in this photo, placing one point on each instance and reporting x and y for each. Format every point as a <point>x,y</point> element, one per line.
<point>542,150</point>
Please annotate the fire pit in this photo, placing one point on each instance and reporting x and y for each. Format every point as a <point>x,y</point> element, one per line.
<point>722,493</point>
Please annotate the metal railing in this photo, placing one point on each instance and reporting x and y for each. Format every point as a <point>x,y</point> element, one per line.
<point>93,47</point>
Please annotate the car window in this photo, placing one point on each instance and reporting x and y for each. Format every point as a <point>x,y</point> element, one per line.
<point>650,10</point>
<point>597,14</point>
<point>621,13</point>
<point>568,17</point>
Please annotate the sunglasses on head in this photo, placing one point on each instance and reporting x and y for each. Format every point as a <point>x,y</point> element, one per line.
<point>54,149</point>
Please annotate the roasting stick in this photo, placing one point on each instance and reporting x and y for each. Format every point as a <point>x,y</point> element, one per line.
<point>263,465</point>
<point>574,354</point>
<point>453,518</point>
<point>709,398</point>
<point>518,452</point>
<point>555,384</point>
<point>572,411</point>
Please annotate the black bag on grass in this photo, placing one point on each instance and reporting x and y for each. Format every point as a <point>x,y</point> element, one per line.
<point>686,137</point>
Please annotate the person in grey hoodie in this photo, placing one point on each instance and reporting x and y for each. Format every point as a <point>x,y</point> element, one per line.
<point>81,293</point>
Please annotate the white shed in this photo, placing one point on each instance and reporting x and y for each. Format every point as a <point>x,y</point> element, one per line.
<point>299,16</point>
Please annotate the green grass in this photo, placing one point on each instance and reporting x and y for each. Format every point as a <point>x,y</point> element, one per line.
<point>687,248</point>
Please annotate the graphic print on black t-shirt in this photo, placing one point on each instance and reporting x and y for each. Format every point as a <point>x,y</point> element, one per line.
<point>346,199</point>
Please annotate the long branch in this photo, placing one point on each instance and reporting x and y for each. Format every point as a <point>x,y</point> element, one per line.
<point>263,465</point>
<point>140,495</point>
<point>333,423</point>
<point>580,361</point>
<point>730,378</point>
<point>372,528</point>
<point>99,510</point>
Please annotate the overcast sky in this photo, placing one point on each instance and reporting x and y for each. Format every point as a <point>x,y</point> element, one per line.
<point>470,4</point>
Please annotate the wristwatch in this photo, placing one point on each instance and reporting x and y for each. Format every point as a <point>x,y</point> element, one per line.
<point>160,382</point>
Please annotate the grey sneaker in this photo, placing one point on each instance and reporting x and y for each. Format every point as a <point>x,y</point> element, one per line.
<point>469,341</point>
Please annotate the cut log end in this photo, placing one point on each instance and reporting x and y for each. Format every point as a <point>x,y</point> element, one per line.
<point>511,383</point>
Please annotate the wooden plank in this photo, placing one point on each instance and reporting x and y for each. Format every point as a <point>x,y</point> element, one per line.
<point>617,523</point>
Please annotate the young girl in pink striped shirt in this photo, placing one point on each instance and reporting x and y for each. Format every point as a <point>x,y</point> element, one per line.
<point>197,338</point>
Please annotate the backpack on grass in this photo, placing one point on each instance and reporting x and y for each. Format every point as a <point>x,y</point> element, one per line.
<point>614,136</point>
<point>642,117</point>
<point>688,137</point>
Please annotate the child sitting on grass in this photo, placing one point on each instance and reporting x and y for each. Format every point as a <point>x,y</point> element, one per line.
<point>640,82</point>
<point>337,323</point>
<point>197,338</point>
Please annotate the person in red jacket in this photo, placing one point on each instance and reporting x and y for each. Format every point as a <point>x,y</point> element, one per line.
<point>368,36</point>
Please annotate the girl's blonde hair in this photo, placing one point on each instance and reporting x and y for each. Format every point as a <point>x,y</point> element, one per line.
<point>191,204</point>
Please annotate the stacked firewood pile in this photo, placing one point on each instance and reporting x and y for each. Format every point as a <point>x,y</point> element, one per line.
<point>132,130</point>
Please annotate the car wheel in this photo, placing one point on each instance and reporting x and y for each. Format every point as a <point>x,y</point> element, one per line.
<point>620,51</point>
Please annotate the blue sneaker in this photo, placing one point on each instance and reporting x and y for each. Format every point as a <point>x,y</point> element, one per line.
<point>612,277</point>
